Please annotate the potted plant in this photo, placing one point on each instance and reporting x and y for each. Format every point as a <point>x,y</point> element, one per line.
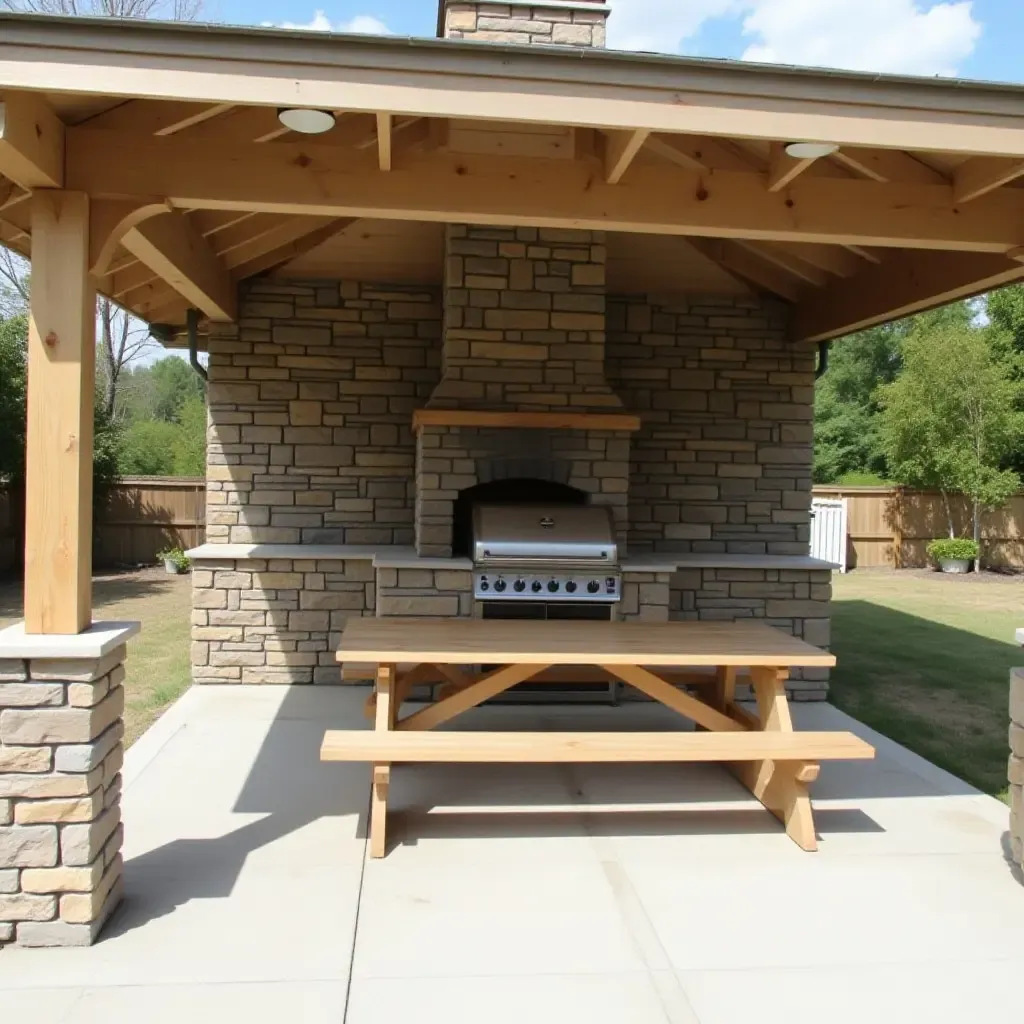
<point>175,560</point>
<point>954,554</point>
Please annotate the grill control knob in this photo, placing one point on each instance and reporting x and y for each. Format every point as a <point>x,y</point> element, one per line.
<point>571,587</point>
<point>536,586</point>
<point>553,586</point>
<point>484,585</point>
<point>500,585</point>
<point>593,587</point>
<point>519,586</point>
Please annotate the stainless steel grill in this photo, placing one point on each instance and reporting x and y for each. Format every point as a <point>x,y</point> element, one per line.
<point>549,553</point>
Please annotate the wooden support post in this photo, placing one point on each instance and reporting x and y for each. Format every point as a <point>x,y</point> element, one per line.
<point>780,785</point>
<point>382,771</point>
<point>58,455</point>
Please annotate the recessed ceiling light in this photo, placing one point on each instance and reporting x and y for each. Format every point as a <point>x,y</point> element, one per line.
<point>308,122</point>
<point>810,150</point>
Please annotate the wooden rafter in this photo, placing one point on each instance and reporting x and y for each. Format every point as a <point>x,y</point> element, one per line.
<point>909,281</point>
<point>832,258</point>
<point>31,141</point>
<point>322,180</point>
<point>619,150</point>
<point>750,267</point>
<point>982,174</point>
<point>784,169</point>
<point>149,117</point>
<point>175,251</point>
<point>384,141</point>
<point>786,261</point>
<point>887,165</point>
<point>695,152</point>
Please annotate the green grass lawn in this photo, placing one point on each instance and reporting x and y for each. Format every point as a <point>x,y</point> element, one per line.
<point>924,658</point>
<point>157,670</point>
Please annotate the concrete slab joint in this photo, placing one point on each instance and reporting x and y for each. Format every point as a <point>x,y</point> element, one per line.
<point>61,751</point>
<point>1016,763</point>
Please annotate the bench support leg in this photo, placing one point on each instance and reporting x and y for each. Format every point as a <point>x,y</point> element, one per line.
<point>385,721</point>
<point>780,785</point>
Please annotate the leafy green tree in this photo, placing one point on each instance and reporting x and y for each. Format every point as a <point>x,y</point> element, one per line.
<point>147,449</point>
<point>950,419</point>
<point>13,333</point>
<point>190,445</point>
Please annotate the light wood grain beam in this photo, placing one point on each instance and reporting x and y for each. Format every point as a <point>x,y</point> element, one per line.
<point>887,165</point>
<point>326,180</point>
<point>908,281</point>
<point>58,452</point>
<point>31,141</point>
<point>109,221</point>
<point>983,174</point>
<point>751,268</point>
<point>695,152</point>
<point>832,258</point>
<point>177,253</point>
<point>784,169</point>
<point>619,150</point>
<point>152,117</point>
<point>786,261</point>
<point>384,141</point>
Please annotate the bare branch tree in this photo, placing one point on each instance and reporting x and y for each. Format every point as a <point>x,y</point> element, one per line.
<point>13,282</point>
<point>173,10</point>
<point>123,338</point>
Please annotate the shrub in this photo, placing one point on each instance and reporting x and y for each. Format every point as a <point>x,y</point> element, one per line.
<point>176,557</point>
<point>952,549</point>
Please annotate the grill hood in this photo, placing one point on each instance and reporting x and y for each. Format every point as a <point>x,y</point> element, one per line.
<point>578,534</point>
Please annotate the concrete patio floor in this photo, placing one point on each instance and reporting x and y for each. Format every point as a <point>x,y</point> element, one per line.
<point>594,893</point>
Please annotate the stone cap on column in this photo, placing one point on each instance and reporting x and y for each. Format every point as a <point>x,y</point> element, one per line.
<point>98,640</point>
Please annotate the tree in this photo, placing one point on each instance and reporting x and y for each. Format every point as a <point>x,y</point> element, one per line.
<point>147,449</point>
<point>951,418</point>
<point>121,339</point>
<point>13,334</point>
<point>190,445</point>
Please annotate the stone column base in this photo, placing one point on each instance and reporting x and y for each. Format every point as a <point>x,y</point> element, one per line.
<point>1016,766</point>
<point>61,749</point>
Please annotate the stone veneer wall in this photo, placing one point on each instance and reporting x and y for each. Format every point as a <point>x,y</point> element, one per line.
<point>565,23</point>
<point>450,459</point>
<point>524,320</point>
<point>425,593</point>
<point>646,597</point>
<point>1016,765</point>
<point>722,462</point>
<point>61,752</point>
<point>310,401</point>
<point>276,620</point>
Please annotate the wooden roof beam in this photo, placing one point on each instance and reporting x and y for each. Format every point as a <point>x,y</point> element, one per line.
<point>786,261</point>
<point>153,117</point>
<point>620,148</point>
<point>784,169</point>
<point>887,165</point>
<point>983,174</point>
<point>749,266</point>
<point>327,181</point>
<point>909,281</point>
<point>834,259</point>
<point>31,141</point>
<point>177,253</point>
<point>384,141</point>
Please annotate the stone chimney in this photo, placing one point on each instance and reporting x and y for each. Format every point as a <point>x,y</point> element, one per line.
<point>553,22</point>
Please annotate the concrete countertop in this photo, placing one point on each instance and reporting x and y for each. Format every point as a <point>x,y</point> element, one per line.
<point>401,557</point>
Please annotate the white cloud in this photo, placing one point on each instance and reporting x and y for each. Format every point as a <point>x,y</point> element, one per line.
<point>914,36</point>
<point>864,35</point>
<point>364,24</point>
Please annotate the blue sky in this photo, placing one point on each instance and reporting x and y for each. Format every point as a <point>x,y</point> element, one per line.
<point>981,39</point>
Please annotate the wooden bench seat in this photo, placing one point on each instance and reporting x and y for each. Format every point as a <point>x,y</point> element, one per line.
<point>509,747</point>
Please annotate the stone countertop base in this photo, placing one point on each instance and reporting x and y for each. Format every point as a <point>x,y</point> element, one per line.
<point>406,557</point>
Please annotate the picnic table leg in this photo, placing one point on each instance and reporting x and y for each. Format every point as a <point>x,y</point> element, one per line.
<point>385,720</point>
<point>780,785</point>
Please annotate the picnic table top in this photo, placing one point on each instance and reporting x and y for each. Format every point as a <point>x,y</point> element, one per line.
<point>507,642</point>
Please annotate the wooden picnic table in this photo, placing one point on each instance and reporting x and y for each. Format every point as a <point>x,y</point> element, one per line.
<point>772,760</point>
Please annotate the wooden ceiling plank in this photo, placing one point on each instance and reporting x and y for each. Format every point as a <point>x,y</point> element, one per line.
<point>174,250</point>
<point>982,174</point>
<point>784,169</point>
<point>156,117</point>
<point>864,252</point>
<point>887,165</point>
<point>697,152</point>
<point>909,281</point>
<point>832,258</point>
<point>786,261</point>
<point>286,231</point>
<point>620,148</point>
<point>384,141</point>
<point>31,141</point>
<point>326,181</point>
<point>749,266</point>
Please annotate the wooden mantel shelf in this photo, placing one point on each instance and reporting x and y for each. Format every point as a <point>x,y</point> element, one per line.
<point>527,420</point>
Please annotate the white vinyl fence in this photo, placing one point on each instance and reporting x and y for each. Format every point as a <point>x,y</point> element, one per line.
<point>828,530</point>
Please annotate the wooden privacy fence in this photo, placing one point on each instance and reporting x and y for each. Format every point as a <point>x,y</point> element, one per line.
<point>141,516</point>
<point>887,525</point>
<point>892,526</point>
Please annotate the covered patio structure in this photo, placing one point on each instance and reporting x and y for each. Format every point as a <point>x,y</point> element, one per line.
<point>149,163</point>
